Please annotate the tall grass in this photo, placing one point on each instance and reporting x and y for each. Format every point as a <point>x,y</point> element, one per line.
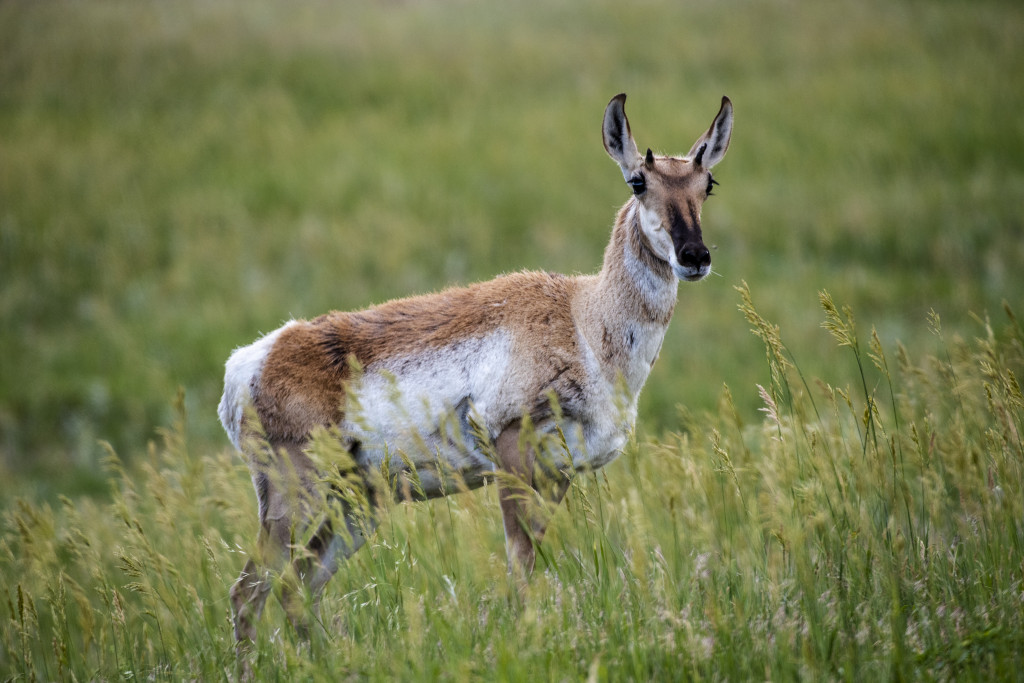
<point>852,531</point>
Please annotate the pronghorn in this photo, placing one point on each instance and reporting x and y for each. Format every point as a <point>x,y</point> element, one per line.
<point>445,391</point>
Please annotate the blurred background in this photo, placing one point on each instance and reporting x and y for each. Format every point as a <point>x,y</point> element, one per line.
<point>177,178</point>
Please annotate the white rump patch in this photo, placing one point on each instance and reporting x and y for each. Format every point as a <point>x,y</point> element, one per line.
<point>243,367</point>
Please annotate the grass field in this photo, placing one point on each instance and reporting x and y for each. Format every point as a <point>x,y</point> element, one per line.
<point>808,501</point>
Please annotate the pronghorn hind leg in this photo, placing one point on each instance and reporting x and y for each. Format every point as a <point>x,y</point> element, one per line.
<point>285,482</point>
<point>323,554</point>
<point>248,596</point>
<point>525,522</point>
<point>249,593</point>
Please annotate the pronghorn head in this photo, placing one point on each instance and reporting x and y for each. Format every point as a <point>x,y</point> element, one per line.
<point>669,191</point>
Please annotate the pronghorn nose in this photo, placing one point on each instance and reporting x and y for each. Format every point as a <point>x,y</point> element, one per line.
<point>694,255</point>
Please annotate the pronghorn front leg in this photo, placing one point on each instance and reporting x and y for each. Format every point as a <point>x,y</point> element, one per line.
<point>525,521</point>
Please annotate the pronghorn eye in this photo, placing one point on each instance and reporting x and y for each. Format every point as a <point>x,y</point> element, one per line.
<point>638,183</point>
<point>711,185</point>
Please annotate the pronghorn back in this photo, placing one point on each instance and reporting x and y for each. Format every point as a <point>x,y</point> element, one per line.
<point>439,388</point>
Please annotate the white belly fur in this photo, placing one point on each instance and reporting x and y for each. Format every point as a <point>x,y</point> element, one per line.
<point>416,410</point>
<point>423,410</point>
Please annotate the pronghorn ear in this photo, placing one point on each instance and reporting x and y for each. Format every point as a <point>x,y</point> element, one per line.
<point>618,141</point>
<point>710,147</point>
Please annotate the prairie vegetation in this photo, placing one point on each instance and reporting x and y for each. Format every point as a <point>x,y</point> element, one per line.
<point>849,532</point>
<point>819,499</point>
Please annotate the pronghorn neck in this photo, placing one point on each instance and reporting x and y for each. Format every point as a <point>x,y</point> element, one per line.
<point>630,303</point>
<point>640,283</point>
